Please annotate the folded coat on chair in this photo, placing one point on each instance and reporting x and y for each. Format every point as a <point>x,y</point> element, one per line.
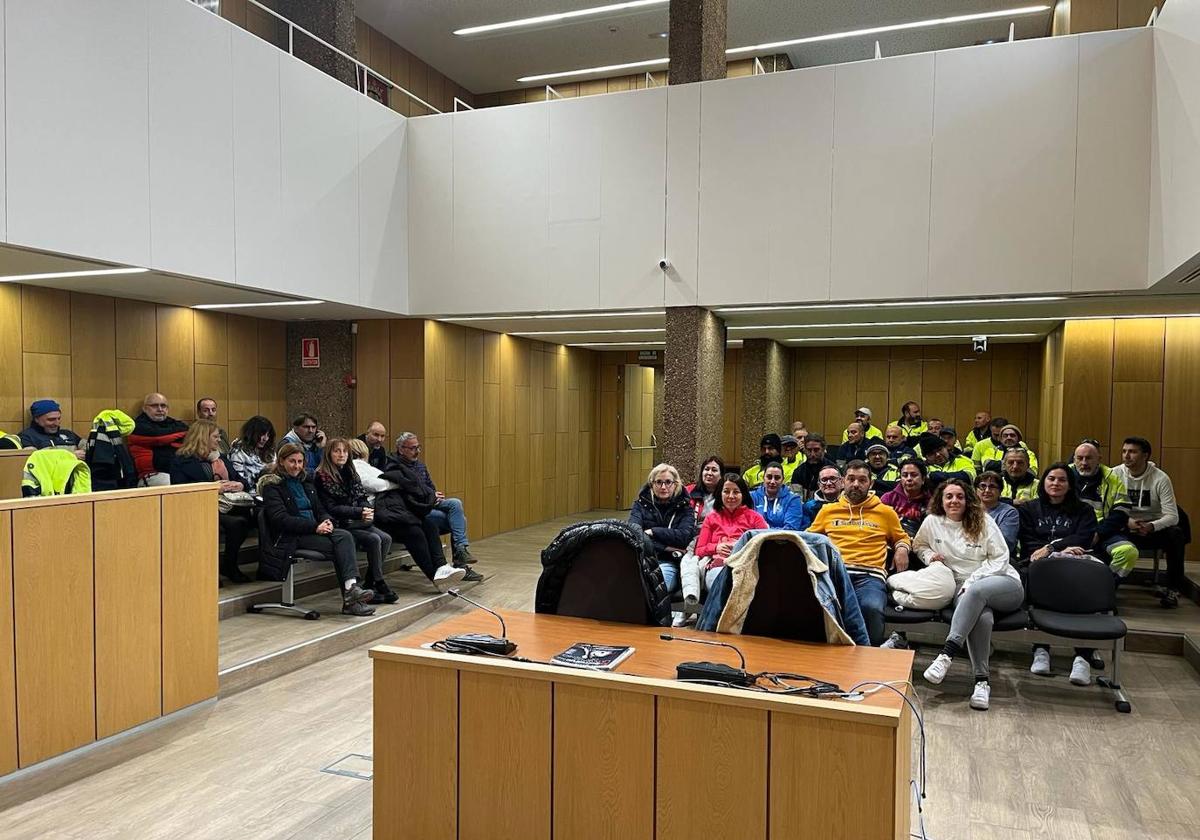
<point>930,588</point>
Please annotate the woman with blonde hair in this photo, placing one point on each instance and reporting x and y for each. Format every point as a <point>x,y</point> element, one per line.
<point>665,514</point>
<point>199,460</point>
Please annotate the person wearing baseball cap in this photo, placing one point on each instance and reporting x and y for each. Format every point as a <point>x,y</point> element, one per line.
<point>789,449</point>
<point>885,473</point>
<point>769,447</point>
<point>862,415</point>
<point>45,428</point>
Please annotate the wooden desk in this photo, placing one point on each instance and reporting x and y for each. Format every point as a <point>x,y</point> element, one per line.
<point>12,469</point>
<point>481,748</point>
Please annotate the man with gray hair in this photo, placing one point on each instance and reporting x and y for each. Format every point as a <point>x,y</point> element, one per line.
<point>448,513</point>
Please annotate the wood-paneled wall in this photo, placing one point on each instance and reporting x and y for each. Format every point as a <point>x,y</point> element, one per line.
<point>949,381</point>
<point>1072,17</point>
<point>507,424</point>
<point>1053,376</point>
<point>91,353</point>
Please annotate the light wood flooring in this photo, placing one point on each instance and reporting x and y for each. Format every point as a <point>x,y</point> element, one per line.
<point>1048,761</point>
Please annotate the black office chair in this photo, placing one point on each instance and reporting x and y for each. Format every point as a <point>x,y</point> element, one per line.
<point>1075,598</point>
<point>784,604</point>
<point>604,582</point>
<point>287,600</point>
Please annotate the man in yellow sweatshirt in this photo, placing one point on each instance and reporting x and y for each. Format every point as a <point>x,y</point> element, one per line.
<point>863,529</point>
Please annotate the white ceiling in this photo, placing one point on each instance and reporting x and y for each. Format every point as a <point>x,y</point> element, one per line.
<point>491,62</point>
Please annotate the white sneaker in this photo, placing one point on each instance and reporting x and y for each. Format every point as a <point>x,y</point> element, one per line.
<point>895,642</point>
<point>936,672</point>
<point>678,619</point>
<point>1081,672</point>
<point>1041,663</point>
<point>446,576</point>
<point>981,695</point>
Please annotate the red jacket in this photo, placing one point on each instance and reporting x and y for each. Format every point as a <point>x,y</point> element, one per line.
<point>725,525</point>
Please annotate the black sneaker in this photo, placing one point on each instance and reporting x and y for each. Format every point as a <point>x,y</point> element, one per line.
<point>1169,599</point>
<point>384,594</point>
<point>462,556</point>
<point>357,608</point>
<point>472,576</point>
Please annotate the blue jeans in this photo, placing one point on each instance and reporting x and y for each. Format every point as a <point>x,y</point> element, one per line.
<point>670,573</point>
<point>872,598</point>
<point>448,516</point>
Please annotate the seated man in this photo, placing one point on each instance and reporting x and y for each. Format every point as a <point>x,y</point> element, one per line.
<point>308,436</point>
<point>807,473</point>
<point>1154,514</point>
<point>990,448</point>
<point>864,531</point>
<point>884,473</point>
<point>1101,489</point>
<point>153,442</point>
<point>862,416</point>
<point>897,444</point>
<point>447,513</point>
<point>1010,436</point>
<point>206,409</point>
<point>854,444</point>
<point>978,432</point>
<point>1020,482</point>
<point>375,437</point>
<point>941,465</point>
<point>829,487</point>
<point>789,448</point>
<point>45,429</point>
<point>949,435</point>
<point>768,453</point>
<point>935,425</point>
<point>910,422</point>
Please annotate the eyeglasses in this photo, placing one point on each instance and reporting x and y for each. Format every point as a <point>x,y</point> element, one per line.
<point>988,485</point>
<point>833,480</point>
<point>1091,441</point>
<point>664,482</point>
<point>412,447</point>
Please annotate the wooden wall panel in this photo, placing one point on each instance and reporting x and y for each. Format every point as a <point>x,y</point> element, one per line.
<point>1181,396</point>
<point>1088,360</point>
<point>93,356</point>
<point>213,381</point>
<point>8,675</point>
<point>272,344</point>
<point>1138,345</point>
<point>12,394</point>
<point>128,581</point>
<point>47,375</point>
<point>189,613</point>
<point>1136,410</point>
<point>372,394</point>
<point>56,703</point>
<point>135,379</point>
<point>45,313</point>
<point>137,330</point>
<point>176,362</point>
<point>210,332</point>
<point>272,398</point>
<point>242,372</point>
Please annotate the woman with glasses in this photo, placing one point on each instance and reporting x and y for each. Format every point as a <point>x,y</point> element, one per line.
<point>665,514</point>
<point>989,486</point>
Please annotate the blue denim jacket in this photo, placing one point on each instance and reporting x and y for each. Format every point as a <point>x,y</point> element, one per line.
<point>834,590</point>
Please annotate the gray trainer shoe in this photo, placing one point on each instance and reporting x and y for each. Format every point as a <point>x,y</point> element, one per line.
<point>462,556</point>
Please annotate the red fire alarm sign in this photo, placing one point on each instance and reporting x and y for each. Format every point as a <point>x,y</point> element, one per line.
<point>310,353</point>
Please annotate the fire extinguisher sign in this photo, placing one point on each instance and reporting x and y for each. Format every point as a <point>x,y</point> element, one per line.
<point>310,352</point>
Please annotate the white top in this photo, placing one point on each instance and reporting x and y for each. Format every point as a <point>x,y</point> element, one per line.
<point>370,478</point>
<point>969,559</point>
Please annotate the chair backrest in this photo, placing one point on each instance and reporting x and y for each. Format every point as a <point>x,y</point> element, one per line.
<point>604,582</point>
<point>784,605</point>
<point>1076,585</point>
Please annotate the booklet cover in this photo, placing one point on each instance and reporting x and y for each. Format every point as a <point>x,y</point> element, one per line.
<point>595,657</point>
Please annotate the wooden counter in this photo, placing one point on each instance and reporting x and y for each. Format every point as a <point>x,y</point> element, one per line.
<point>12,467</point>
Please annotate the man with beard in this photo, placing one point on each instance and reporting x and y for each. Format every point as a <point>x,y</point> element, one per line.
<point>769,449</point>
<point>910,422</point>
<point>807,474</point>
<point>1020,482</point>
<point>1103,491</point>
<point>980,431</point>
<point>883,471</point>
<point>864,530</point>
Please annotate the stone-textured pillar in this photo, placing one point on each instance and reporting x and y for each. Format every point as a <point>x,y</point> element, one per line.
<point>765,398</point>
<point>694,388</point>
<point>333,22</point>
<point>696,44</point>
<point>322,391</point>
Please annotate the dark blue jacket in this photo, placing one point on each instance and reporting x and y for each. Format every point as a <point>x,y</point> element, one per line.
<point>672,525</point>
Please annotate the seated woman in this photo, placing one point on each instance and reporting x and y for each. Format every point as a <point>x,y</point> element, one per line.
<point>988,486</point>
<point>732,516</point>
<point>254,449</point>
<point>780,507</point>
<point>343,497</point>
<point>198,459</point>
<point>1057,521</point>
<point>959,534</point>
<point>665,515</point>
<point>296,519</point>
<point>909,498</point>
<point>703,496</point>
<point>370,476</point>
<point>1020,483</point>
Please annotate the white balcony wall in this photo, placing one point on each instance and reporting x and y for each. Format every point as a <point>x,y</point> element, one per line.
<point>153,133</point>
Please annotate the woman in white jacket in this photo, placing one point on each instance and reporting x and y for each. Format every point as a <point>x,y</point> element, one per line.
<point>960,534</point>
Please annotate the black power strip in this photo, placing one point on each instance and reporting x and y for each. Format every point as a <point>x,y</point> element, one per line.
<point>713,672</point>
<point>479,643</point>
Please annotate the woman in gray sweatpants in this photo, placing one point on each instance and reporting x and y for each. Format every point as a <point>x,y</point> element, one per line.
<point>960,534</point>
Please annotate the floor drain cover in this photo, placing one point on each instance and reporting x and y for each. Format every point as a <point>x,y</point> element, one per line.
<point>355,766</point>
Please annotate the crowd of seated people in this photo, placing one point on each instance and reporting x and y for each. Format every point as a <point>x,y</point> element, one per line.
<point>973,510</point>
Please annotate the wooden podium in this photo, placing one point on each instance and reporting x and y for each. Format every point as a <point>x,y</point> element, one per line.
<point>483,748</point>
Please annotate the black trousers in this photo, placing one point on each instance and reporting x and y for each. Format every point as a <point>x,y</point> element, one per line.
<point>234,528</point>
<point>1170,540</point>
<point>423,543</point>
<point>337,547</point>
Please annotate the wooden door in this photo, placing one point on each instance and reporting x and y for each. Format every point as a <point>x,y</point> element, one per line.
<point>638,443</point>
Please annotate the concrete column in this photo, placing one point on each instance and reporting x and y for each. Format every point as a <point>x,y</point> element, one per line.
<point>697,41</point>
<point>694,388</point>
<point>322,391</point>
<point>333,22</point>
<point>766,393</point>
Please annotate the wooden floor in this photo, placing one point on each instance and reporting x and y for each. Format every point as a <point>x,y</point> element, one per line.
<point>1048,761</point>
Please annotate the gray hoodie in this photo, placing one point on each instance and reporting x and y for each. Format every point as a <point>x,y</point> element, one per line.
<point>1151,494</point>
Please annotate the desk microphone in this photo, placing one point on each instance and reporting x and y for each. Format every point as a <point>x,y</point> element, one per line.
<point>480,642</point>
<point>710,671</point>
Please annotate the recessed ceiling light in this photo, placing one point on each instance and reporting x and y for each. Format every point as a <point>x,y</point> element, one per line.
<point>812,39</point>
<point>906,337</point>
<point>593,332</point>
<point>57,275</point>
<point>657,35</point>
<point>876,304</point>
<point>621,344</point>
<point>549,316</point>
<point>860,324</point>
<point>559,16</point>
<point>249,305</point>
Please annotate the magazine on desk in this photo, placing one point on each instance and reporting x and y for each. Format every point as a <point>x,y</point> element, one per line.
<point>593,657</point>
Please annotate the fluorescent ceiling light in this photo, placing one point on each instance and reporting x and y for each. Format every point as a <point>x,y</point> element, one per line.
<point>906,337</point>
<point>812,39</point>
<point>265,303</point>
<point>1124,317</point>
<point>57,275</point>
<point>593,332</point>
<point>654,313</point>
<point>558,16</point>
<point>905,323</point>
<point>894,27</point>
<point>877,304</point>
<point>622,344</point>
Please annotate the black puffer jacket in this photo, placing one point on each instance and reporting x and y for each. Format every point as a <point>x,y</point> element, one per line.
<point>563,549</point>
<point>672,524</point>
<point>285,524</point>
<point>409,503</point>
<point>344,500</point>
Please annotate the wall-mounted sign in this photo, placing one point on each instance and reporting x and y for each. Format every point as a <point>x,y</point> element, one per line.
<point>647,355</point>
<point>310,352</point>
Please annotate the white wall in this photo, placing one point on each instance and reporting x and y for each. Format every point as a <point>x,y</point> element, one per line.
<point>1175,150</point>
<point>153,133</point>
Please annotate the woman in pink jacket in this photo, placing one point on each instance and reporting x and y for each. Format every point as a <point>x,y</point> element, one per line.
<point>731,517</point>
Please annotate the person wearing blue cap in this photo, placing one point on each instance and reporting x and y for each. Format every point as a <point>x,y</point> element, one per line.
<point>45,428</point>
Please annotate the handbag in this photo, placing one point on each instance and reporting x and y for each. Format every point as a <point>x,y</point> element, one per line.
<point>226,502</point>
